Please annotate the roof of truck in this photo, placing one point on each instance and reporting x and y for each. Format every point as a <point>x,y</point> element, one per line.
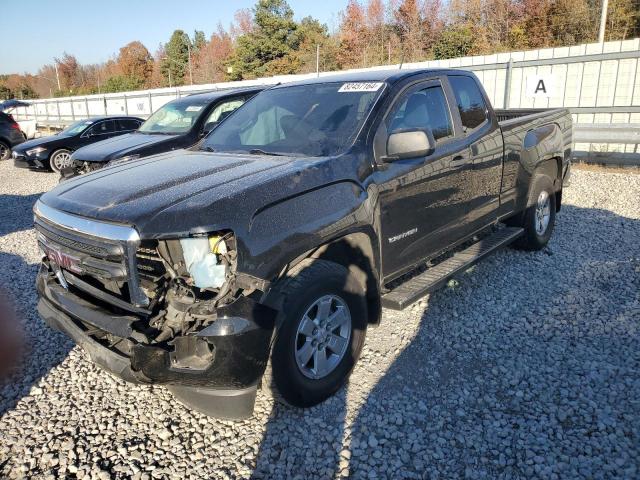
<point>387,75</point>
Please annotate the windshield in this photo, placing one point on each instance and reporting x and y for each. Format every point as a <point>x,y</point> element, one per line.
<point>176,117</point>
<point>310,120</point>
<point>75,128</point>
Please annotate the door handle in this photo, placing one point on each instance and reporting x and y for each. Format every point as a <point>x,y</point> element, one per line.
<point>459,160</point>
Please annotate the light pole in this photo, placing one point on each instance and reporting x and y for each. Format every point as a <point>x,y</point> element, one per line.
<point>603,20</point>
<point>55,64</point>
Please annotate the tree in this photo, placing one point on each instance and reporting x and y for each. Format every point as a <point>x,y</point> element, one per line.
<point>211,59</point>
<point>123,83</point>
<point>408,25</point>
<point>135,62</point>
<point>313,34</point>
<point>267,48</point>
<point>352,36</point>
<point>455,41</point>
<point>533,30</point>
<point>199,40</point>
<point>176,62</point>
<point>377,33</point>
<point>69,73</point>
<point>5,92</point>
<point>623,20</point>
<point>572,22</point>
<point>243,23</point>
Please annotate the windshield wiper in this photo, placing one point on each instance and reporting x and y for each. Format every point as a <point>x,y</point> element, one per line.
<point>257,151</point>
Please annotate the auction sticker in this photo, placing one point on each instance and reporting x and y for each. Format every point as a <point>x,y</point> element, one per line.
<point>193,108</point>
<point>360,87</point>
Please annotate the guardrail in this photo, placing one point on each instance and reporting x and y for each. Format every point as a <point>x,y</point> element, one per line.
<point>597,136</point>
<point>622,133</point>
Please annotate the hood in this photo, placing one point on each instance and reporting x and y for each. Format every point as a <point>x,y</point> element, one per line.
<point>173,192</point>
<point>37,142</point>
<point>119,146</point>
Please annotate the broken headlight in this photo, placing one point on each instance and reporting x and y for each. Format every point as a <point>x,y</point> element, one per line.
<point>203,260</point>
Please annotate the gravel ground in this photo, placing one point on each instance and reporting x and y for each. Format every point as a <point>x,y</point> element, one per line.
<point>527,366</point>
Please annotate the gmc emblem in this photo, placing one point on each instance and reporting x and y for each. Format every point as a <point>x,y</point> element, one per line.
<point>63,260</point>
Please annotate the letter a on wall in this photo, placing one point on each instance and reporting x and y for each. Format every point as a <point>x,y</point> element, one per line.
<point>540,86</point>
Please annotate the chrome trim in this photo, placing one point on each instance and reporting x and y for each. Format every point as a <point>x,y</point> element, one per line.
<point>126,235</point>
<point>94,228</point>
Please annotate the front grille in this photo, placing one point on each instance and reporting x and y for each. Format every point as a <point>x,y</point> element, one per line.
<point>79,244</point>
<point>104,256</point>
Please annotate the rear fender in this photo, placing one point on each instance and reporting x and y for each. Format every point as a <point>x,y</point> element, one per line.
<point>540,145</point>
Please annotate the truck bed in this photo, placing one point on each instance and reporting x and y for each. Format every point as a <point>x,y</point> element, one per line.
<point>506,115</point>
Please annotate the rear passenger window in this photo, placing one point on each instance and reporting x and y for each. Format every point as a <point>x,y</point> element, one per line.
<point>126,124</point>
<point>224,109</point>
<point>473,110</point>
<point>102,128</point>
<point>425,108</point>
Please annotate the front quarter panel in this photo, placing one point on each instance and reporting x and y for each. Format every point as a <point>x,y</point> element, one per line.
<point>282,231</point>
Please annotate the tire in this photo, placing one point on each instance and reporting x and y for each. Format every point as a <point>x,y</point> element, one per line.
<point>59,160</point>
<point>5,151</point>
<point>539,217</point>
<point>308,363</point>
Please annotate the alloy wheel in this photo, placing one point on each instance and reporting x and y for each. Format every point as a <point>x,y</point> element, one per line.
<point>543,212</point>
<point>323,336</point>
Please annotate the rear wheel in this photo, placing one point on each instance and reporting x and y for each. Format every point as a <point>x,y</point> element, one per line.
<point>60,159</point>
<point>5,151</point>
<point>321,332</point>
<point>539,218</point>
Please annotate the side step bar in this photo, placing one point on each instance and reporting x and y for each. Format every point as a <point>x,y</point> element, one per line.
<point>435,277</point>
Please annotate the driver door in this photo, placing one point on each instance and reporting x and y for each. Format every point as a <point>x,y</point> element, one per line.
<point>99,131</point>
<point>423,200</point>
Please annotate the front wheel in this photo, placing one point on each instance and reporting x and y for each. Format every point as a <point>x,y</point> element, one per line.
<point>321,332</point>
<point>5,151</point>
<point>60,159</point>
<point>539,218</point>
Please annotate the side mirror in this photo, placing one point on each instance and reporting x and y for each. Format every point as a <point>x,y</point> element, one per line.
<point>409,143</point>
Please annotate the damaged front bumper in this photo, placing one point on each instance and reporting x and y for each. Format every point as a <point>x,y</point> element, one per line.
<point>216,371</point>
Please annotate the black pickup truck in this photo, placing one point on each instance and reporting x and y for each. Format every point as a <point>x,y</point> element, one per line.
<point>279,239</point>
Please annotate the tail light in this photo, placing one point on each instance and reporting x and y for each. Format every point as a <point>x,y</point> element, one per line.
<point>15,126</point>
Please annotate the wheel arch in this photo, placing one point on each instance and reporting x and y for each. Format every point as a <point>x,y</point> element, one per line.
<point>552,168</point>
<point>359,254</point>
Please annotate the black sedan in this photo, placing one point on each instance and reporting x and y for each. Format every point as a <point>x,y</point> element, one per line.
<point>54,152</point>
<point>177,124</point>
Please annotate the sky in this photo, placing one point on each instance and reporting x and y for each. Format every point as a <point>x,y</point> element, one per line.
<point>36,31</point>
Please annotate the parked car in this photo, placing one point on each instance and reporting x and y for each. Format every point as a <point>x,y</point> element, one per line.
<point>10,135</point>
<point>286,231</point>
<point>28,127</point>
<point>178,124</point>
<point>54,152</point>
